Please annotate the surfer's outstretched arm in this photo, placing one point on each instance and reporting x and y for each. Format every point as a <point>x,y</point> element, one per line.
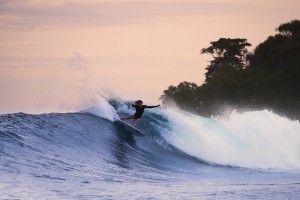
<point>152,106</point>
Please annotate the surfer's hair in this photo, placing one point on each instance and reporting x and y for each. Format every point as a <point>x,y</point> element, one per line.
<point>139,102</point>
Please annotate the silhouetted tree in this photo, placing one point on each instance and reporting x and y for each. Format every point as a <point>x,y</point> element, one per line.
<point>183,95</point>
<point>289,29</point>
<point>226,52</point>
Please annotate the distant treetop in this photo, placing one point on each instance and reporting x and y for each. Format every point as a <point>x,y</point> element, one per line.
<point>289,29</point>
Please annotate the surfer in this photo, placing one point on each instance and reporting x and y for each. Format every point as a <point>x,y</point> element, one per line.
<point>139,110</point>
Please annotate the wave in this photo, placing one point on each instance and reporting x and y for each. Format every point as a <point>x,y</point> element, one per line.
<point>175,141</point>
<point>256,139</point>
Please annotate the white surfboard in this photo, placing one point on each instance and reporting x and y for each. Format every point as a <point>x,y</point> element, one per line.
<point>130,128</point>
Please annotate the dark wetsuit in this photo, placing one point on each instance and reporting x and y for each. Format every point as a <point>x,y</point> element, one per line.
<point>140,110</point>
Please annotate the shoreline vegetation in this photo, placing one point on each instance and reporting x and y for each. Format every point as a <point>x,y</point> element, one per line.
<point>267,78</point>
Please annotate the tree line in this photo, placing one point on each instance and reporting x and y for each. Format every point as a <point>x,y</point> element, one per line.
<point>267,78</point>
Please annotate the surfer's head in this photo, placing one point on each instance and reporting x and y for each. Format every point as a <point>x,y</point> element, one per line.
<point>139,102</point>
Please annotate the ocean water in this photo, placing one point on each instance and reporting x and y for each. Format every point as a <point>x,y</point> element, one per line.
<point>86,155</point>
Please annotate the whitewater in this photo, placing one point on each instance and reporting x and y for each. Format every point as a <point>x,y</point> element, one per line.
<point>86,155</point>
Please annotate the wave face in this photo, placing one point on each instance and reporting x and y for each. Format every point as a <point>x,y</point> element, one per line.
<point>87,155</point>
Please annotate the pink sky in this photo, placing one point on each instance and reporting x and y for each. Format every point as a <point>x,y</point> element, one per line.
<point>135,49</point>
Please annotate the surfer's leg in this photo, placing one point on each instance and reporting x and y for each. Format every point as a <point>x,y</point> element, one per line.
<point>128,117</point>
<point>135,121</point>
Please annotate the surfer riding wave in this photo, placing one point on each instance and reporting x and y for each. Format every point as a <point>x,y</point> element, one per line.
<point>139,110</point>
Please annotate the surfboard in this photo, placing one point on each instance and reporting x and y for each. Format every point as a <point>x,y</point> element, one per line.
<point>130,128</point>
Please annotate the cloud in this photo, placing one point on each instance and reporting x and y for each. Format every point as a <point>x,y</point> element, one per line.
<point>31,14</point>
<point>36,13</point>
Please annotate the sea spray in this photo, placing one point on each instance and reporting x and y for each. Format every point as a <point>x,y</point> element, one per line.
<point>258,139</point>
<point>103,109</point>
